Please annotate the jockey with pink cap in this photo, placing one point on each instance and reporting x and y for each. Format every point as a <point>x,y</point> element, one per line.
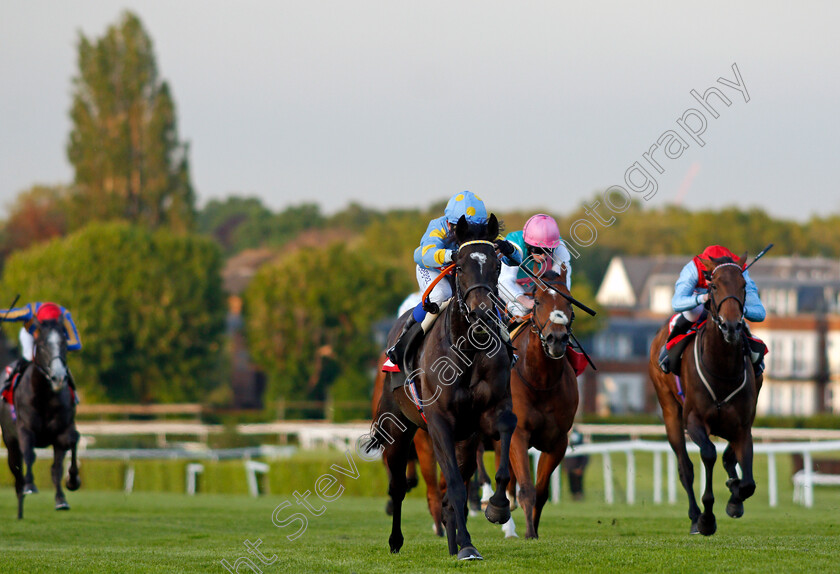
<point>541,249</point>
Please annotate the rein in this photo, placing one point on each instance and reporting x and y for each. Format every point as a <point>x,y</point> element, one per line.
<point>700,366</point>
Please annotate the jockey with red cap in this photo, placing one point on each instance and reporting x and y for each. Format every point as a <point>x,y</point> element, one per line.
<point>541,249</point>
<point>691,293</point>
<point>32,314</point>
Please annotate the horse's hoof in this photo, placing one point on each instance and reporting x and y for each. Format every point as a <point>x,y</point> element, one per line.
<point>395,544</point>
<point>497,514</point>
<point>735,509</point>
<point>389,508</point>
<point>411,483</point>
<point>707,526</point>
<point>694,529</point>
<point>438,529</point>
<point>30,489</point>
<point>73,483</point>
<point>746,490</point>
<point>62,506</point>
<point>469,553</point>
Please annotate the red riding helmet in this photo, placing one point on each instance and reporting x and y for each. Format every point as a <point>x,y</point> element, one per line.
<point>48,312</point>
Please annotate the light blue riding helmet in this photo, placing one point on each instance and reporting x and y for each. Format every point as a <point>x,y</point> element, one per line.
<point>467,204</point>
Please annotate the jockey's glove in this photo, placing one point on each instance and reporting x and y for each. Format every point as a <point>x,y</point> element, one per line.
<point>449,256</point>
<point>505,247</point>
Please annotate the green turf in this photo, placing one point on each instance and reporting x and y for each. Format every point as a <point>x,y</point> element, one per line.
<point>149,532</point>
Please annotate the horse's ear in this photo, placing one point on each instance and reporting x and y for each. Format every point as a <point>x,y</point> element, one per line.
<point>708,264</point>
<point>461,229</point>
<point>743,260</point>
<point>492,227</point>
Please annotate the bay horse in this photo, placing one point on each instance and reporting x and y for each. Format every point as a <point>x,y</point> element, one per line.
<point>423,454</point>
<point>43,414</point>
<point>545,394</point>
<point>720,392</point>
<point>463,382</point>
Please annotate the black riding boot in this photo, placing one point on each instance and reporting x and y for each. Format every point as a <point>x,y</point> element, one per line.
<point>15,367</point>
<point>681,327</point>
<point>397,351</point>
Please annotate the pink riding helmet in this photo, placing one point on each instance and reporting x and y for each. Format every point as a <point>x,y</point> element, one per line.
<point>541,231</point>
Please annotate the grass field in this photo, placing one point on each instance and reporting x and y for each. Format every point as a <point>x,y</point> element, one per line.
<point>148,532</point>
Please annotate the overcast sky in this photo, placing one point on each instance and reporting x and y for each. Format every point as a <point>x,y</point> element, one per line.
<point>528,104</point>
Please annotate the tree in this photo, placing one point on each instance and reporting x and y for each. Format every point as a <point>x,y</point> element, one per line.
<point>309,318</point>
<point>149,307</point>
<point>129,163</point>
<point>36,215</point>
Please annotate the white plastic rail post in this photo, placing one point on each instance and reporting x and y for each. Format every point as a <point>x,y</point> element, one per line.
<point>657,477</point>
<point>129,478</point>
<point>631,477</point>
<point>772,480</point>
<point>555,485</point>
<point>193,470</point>
<point>608,483</point>
<point>808,483</point>
<point>253,467</point>
<point>672,478</point>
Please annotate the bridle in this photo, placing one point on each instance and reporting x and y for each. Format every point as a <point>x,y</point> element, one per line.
<point>461,296</point>
<point>714,306</point>
<point>539,329</point>
<point>38,343</point>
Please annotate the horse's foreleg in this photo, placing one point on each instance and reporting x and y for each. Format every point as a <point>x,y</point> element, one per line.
<point>741,489</point>
<point>549,461</point>
<point>520,462</point>
<point>27,449</point>
<point>498,509</point>
<point>16,466</point>
<point>706,524</point>
<point>57,473</point>
<point>674,430</point>
<point>455,499</point>
<point>73,482</point>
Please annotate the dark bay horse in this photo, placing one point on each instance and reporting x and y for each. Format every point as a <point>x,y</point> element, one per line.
<point>424,456</point>
<point>545,394</point>
<point>44,414</point>
<point>463,379</point>
<point>720,390</point>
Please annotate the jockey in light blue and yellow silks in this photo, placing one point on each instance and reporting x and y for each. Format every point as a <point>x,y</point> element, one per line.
<point>438,248</point>
<point>31,314</point>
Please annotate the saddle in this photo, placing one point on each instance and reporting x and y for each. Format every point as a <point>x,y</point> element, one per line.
<point>753,346</point>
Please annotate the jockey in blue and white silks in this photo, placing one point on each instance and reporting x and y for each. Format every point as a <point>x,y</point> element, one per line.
<point>31,314</point>
<point>438,248</point>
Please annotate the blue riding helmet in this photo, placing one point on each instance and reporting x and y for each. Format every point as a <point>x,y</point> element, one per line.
<point>467,204</point>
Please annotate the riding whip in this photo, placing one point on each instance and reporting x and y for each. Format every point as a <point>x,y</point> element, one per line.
<point>759,256</point>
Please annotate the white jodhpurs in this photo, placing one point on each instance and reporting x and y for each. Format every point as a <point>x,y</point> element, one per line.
<point>442,290</point>
<point>693,314</point>
<point>27,344</point>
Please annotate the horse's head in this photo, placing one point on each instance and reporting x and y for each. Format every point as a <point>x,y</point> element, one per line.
<point>553,313</point>
<point>477,271</point>
<point>51,352</point>
<point>727,294</point>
